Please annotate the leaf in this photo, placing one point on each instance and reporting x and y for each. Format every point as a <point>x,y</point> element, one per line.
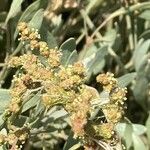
<point>145,15</point>
<point>139,129</point>
<point>99,67</point>
<point>1,120</point>
<point>67,48</point>
<point>95,60</point>
<point>72,58</point>
<point>126,79</point>
<point>148,128</point>
<point>3,132</point>
<point>88,52</point>
<point>14,9</point>
<point>70,142</point>
<point>101,99</point>
<point>121,127</point>
<point>138,143</point>
<point>31,103</point>
<point>140,91</point>
<point>39,109</point>
<point>58,114</point>
<point>4,99</point>
<point>47,36</point>
<point>18,49</point>
<point>145,34</point>
<point>140,52</point>
<point>128,135</point>
<point>32,9</point>
<point>37,19</point>
<point>20,121</point>
<point>75,147</point>
<point>110,37</point>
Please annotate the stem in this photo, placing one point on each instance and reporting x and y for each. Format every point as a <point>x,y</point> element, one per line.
<point>122,11</point>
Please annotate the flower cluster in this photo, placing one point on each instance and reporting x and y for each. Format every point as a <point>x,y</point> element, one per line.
<point>15,138</point>
<point>60,85</point>
<point>113,110</point>
<point>64,86</point>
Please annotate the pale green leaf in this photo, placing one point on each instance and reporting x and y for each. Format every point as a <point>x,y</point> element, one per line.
<point>72,58</point>
<point>14,9</point>
<point>140,52</point>
<point>96,59</point>
<point>148,128</point>
<point>67,48</point>
<point>31,103</point>
<point>145,15</point>
<point>138,143</point>
<point>121,127</point>
<point>4,99</point>
<point>37,19</point>
<point>128,135</point>
<point>126,79</point>
<point>139,129</point>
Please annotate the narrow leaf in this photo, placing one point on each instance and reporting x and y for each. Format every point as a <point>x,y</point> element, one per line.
<point>138,143</point>
<point>128,135</point>
<point>14,9</point>
<point>4,99</point>
<point>67,48</point>
<point>148,128</point>
<point>140,52</point>
<point>37,19</point>
<point>126,79</point>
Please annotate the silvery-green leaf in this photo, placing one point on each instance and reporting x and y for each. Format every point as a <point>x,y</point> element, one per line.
<point>37,19</point>
<point>124,80</point>
<point>103,99</point>
<point>67,48</point>
<point>88,52</point>
<point>139,129</point>
<point>138,143</point>
<point>145,15</point>
<point>4,99</point>
<point>120,127</point>
<point>96,59</point>
<point>14,9</point>
<point>148,128</point>
<point>140,52</point>
<point>31,103</point>
<point>3,132</point>
<point>140,91</point>
<point>72,58</point>
<point>110,36</point>
<point>128,135</point>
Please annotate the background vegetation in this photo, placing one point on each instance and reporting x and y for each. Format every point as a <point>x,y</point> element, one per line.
<point>107,35</point>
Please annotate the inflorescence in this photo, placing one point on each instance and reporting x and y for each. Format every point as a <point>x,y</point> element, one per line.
<point>64,86</point>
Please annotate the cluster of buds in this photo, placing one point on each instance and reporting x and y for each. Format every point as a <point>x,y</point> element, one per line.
<point>28,34</point>
<point>60,85</point>
<point>64,86</point>
<point>32,37</point>
<point>79,110</point>
<point>113,110</point>
<point>17,94</point>
<point>15,138</point>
